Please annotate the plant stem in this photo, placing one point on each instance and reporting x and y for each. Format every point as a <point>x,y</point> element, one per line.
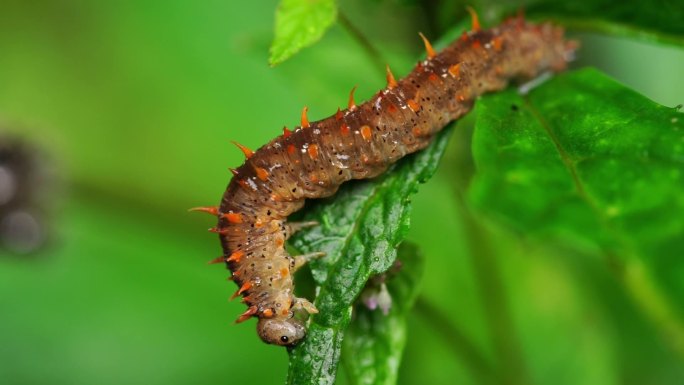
<point>650,299</point>
<point>503,332</point>
<point>509,356</point>
<point>459,344</point>
<point>372,52</point>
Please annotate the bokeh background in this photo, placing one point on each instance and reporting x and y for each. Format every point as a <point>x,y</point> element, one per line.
<point>122,113</point>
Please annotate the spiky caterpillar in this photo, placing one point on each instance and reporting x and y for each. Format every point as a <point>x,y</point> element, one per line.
<point>357,143</point>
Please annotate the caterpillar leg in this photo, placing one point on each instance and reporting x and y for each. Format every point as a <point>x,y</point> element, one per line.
<point>301,260</point>
<point>304,304</point>
<point>296,226</point>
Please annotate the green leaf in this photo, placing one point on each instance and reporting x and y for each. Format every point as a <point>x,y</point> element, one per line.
<point>374,343</point>
<point>300,23</point>
<point>360,229</point>
<point>659,21</point>
<point>648,20</point>
<point>586,160</point>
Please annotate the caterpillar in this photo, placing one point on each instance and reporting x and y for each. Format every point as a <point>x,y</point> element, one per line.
<point>360,142</point>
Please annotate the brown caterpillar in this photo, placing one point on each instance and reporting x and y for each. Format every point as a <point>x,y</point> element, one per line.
<point>360,142</point>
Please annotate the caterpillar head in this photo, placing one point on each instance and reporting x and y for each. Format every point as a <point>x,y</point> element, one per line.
<point>281,331</point>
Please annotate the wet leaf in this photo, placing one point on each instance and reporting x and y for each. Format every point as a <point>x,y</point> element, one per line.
<point>360,229</point>
<point>374,344</point>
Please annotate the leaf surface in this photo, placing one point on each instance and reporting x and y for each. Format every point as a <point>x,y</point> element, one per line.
<point>648,20</point>
<point>585,160</point>
<point>375,341</point>
<point>360,229</point>
<point>300,23</point>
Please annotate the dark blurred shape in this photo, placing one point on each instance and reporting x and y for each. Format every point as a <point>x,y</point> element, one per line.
<point>24,185</point>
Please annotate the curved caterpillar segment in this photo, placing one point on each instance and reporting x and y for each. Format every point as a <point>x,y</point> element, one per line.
<point>313,160</point>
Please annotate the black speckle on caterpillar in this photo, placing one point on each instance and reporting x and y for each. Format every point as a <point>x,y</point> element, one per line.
<point>357,143</point>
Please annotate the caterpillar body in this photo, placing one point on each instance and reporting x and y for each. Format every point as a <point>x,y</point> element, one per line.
<point>359,142</point>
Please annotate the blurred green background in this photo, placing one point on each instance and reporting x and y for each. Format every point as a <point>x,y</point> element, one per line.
<point>133,105</point>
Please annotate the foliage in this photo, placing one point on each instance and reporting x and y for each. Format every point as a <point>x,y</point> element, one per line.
<point>586,161</point>
<point>541,170</point>
<point>360,229</point>
<point>135,105</point>
<point>299,24</point>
